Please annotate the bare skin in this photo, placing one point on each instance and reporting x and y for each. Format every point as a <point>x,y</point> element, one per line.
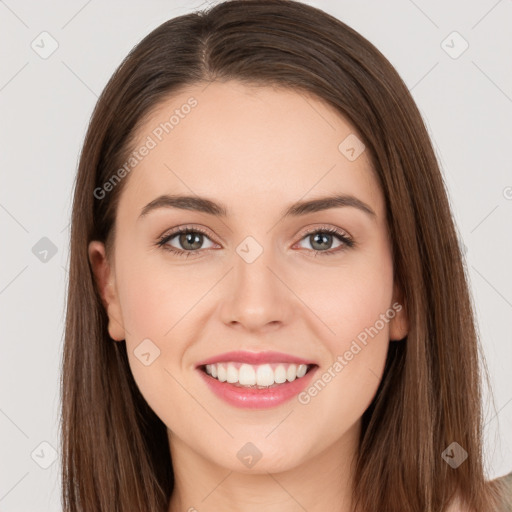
<point>256,151</point>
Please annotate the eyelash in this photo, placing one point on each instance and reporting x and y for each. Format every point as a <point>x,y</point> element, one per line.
<point>162,241</point>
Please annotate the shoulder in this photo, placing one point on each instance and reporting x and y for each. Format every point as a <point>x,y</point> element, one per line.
<point>456,506</point>
<point>503,487</point>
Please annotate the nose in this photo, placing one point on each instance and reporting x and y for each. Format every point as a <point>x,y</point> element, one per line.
<point>256,296</point>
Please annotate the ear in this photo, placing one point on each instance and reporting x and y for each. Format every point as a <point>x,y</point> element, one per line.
<point>105,281</point>
<point>399,324</point>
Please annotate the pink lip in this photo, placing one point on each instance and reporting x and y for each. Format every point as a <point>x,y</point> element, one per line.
<point>241,356</point>
<point>254,398</point>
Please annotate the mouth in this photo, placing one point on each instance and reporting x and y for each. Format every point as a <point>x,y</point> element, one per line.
<point>256,380</point>
<point>260,376</point>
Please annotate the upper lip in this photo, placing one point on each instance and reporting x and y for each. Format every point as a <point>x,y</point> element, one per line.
<point>254,358</point>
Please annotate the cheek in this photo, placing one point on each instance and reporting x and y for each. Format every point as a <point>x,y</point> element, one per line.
<point>351,298</point>
<point>358,310</point>
<point>152,298</point>
<point>154,308</point>
<point>345,386</point>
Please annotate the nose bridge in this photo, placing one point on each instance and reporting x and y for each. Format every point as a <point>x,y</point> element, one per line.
<point>256,296</point>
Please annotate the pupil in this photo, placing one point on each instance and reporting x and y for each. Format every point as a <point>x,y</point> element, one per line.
<point>188,238</point>
<point>320,238</point>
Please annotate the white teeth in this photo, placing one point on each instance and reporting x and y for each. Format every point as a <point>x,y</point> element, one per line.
<point>232,374</point>
<point>221,372</point>
<point>246,375</point>
<point>291,373</point>
<point>301,370</point>
<point>264,375</point>
<point>280,374</point>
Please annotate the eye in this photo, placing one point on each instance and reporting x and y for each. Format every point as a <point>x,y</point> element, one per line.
<point>190,240</point>
<point>321,241</point>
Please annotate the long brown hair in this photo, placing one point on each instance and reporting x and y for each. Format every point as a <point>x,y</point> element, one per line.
<point>115,452</point>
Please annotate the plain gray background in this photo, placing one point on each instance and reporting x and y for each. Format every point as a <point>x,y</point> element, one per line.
<point>464,95</point>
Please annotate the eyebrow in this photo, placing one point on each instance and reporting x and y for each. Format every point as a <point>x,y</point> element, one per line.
<point>204,205</point>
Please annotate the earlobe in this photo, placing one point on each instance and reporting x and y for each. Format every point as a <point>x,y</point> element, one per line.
<point>105,282</point>
<point>399,324</point>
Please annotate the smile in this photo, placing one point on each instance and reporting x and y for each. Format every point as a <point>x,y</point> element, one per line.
<point>256,376</point>
<point>256,380</point>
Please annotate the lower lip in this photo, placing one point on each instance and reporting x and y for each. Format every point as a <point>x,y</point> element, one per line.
<point>254,398</point>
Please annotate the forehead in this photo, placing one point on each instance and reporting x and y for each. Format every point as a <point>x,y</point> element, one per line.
<point>259,144</point>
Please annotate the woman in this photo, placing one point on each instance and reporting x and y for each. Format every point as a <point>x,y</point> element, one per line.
<point>267,305</point>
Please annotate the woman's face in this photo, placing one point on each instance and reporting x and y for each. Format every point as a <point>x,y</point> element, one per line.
<point>253,279</point>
